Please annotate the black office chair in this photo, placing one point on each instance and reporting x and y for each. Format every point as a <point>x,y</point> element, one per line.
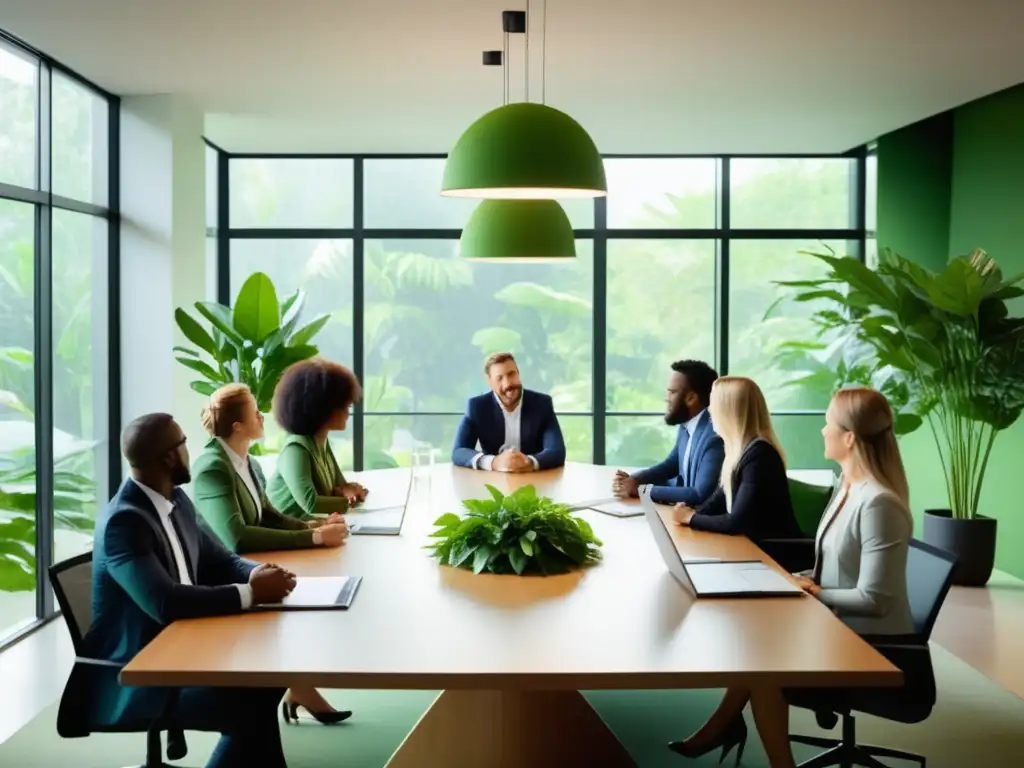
<point>929,575</point>
<point>72,586</point>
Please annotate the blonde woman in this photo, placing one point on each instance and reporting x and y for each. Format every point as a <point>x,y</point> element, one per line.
<point>753,496</point>
<point>230,494</point>
<point>860,571</point>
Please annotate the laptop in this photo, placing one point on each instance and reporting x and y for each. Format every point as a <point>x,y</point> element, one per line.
<point>383,520</point>
<point>710,577</point>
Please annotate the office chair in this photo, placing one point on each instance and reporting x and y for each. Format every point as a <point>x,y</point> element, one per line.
<point>929,575</point>
<point>809,504</point>
<point>72,586</point>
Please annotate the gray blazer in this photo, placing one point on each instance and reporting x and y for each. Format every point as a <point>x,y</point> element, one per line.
<point>863,560</point>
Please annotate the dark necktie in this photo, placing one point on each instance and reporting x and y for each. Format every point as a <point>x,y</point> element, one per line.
<point>181,542</point>
<point>816,573</point>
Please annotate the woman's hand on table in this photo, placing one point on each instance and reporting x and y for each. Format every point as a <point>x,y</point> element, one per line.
<point>682,513</point>
<point>807,585</point>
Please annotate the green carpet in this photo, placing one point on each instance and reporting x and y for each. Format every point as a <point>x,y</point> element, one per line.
<point>974,723</point>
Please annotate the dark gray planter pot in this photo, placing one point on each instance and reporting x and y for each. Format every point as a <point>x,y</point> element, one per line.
<point>972,541</point>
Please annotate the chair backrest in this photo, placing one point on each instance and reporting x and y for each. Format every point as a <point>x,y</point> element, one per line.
<point>72,586</point>
<point>929,576</point>
<point>809,503</point>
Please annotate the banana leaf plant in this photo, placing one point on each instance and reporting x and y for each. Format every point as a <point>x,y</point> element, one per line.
<point>942,346</point>
<point>252,342</point>
<point>74,509</point>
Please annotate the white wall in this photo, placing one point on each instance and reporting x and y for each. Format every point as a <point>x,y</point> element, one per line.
<point>162,253</point>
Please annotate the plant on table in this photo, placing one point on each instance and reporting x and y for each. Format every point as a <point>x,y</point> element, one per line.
<point>520,533</point>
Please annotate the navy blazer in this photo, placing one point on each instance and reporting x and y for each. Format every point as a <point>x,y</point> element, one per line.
<point>484,420</point>
<point>761,505</point>
<point>136,591</point>
<point>696,484</point>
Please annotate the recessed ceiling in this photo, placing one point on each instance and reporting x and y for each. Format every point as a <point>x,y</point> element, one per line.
<point>686,76</point>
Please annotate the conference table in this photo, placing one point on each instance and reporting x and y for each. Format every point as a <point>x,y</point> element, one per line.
<point>512,653</point>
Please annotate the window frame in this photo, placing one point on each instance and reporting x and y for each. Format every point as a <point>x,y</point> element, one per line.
<point>600,235</point>
<point>44,203</point>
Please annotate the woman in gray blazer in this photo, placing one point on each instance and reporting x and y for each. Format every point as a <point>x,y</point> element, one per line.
<point>860,564</point>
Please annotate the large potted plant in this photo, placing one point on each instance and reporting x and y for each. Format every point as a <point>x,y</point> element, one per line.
<point>252,342</point>
<point>945,349</point>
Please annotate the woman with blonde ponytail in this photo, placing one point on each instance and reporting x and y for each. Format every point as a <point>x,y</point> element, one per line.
<point>230,494</point>
<point>753,496</point>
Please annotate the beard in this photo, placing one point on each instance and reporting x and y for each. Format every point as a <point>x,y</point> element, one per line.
<point>510,395</point>
<point>678,415</point>
<point>181,475</point>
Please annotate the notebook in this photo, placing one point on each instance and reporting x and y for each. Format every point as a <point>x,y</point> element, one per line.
<point>317,593</point>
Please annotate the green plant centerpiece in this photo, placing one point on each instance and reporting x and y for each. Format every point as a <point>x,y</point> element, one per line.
<point>944,349</point>
<point>520,533</point>
<point>252,342</point>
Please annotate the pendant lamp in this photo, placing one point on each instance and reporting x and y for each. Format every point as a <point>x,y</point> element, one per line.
<point>513,230</point>
<point>524,150</point>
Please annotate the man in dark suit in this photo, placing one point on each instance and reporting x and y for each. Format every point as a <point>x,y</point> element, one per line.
<point>692,471</point>
<point>153,564</point>
<point>516,428</point>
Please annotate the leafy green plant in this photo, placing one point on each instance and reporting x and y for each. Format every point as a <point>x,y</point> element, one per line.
<point>941,346</point>
<point>519,533</point>
<point>74,504</point>
<point>252,342</point>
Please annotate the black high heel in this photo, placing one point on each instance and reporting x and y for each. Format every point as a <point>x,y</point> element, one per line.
<point>289,713</point>
<point>735,735</point>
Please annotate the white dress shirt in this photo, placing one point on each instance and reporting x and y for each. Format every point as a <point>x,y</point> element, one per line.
<point>164,507</point>
<point>241,465</point>
<point>690,426</point>
<point>513,420</point>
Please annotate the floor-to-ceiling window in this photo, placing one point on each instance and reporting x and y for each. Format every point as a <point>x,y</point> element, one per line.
<point>680,260</point>
<point>56,199</point>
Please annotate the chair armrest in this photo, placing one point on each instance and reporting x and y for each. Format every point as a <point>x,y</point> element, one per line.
<point>99,662</point>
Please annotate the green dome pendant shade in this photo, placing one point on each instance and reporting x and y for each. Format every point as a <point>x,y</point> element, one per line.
<point>522,151</point>
<point>511,230</point>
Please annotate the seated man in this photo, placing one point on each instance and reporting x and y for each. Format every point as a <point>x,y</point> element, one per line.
<point>152,564</point>
<point>693,469</point>
<point>517,428</point>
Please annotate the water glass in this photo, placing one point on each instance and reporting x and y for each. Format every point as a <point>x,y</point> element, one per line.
<point>422,466</point>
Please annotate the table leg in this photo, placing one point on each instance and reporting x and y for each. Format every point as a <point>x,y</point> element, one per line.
<point>510,729</point>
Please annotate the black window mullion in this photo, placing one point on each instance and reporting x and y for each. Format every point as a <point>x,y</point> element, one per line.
<point>358,307</point>
<point>114,475</point>
<point>43,353</point>
<point>223,225</point>
<point>599,395</point>
<point>722,269</point>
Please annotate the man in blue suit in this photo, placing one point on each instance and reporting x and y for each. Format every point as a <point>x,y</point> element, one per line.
<point>693,469</point>
<point>516,428</point>
<point>152,564</point>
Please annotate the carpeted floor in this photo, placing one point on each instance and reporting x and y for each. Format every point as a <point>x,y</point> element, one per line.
<point>975,723</point>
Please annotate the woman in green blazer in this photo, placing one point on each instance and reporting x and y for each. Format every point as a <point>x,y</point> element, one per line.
<point>228,489</point>
<point>312,399</point>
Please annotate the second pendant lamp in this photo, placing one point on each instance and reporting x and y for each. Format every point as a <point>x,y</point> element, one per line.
<point>511,230</point>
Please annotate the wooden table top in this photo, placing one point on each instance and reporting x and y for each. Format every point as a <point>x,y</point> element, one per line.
<point>624,623</point>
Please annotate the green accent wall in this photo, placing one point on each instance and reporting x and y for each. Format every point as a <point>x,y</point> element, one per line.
<point>948,185</point>
<point>915,176</point>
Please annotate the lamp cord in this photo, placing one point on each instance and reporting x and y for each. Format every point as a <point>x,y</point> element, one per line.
<point>527,50</point>
<point>544,53</point>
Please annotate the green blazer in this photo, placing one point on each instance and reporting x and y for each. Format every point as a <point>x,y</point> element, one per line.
<point>227,506</point>
<point>305,476</point>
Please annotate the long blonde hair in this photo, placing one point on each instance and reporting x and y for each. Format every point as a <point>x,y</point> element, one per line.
<point>867,415</point>
<point>740,415</point>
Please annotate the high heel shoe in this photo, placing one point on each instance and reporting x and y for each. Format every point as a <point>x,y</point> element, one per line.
<point>289,713</point>
<point>735,735</point>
